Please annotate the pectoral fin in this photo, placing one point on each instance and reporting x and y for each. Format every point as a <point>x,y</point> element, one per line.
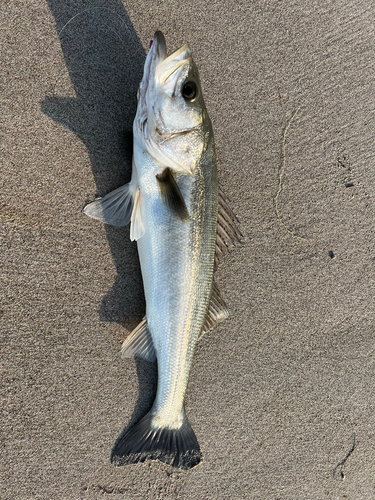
<point>139,343</point>
<point>114,208</point>
<point>217,311</point>
<point>137,227</point>
<point>171,194</point>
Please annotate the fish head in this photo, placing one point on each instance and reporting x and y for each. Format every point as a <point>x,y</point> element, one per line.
<point>172,117</point>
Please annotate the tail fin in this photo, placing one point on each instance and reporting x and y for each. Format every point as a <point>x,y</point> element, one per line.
<point>177,447</point>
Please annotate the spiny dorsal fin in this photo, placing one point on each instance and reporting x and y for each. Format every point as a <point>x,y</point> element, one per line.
<point>217,311</point>
<point>171,194</point>
<point>227,231</point>
<point>139,343</point>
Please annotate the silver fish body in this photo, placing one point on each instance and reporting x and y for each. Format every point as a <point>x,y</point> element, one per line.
<point>181,223</point>
<point>177,262</point>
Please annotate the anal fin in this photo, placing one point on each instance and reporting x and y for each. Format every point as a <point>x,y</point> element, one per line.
<point>217,311</point>
<point>139,343</point>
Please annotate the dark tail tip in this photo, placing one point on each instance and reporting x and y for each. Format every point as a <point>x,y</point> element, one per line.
<point>176,447</point>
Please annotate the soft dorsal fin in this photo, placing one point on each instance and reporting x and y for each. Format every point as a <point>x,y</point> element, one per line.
<point>227,231</point>
<point>171,194</point>
<point>139,343</point>
<point>114,208</point>
<point>217,311</point>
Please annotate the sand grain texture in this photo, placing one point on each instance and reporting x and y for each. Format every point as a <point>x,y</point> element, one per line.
<point>281,391</point>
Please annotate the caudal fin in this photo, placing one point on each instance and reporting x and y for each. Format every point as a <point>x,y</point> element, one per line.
<point>177,447</point>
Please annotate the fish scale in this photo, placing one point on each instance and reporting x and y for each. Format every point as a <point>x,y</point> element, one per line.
<point>175,324</point>
<point>173,204</point>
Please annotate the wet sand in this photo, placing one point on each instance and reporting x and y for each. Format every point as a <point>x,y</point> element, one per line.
<point>281,395</point>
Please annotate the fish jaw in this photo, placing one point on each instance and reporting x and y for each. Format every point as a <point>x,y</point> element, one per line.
<point>156,54</point>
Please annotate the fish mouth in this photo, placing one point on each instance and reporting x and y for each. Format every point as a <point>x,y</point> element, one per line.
<point>156,54</point>
<point>158,67</point>
<point>159,45</point>
<point>157,57</point>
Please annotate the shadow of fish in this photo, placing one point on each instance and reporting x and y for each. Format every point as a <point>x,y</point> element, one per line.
<point>181,223</point>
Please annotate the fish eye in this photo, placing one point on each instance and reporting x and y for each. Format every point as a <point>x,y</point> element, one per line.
<point>189,91</point>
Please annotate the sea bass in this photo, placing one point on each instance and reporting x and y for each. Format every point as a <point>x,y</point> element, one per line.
<point>181,223</point>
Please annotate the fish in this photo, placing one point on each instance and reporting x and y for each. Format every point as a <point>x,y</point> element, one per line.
<point>182,224</point>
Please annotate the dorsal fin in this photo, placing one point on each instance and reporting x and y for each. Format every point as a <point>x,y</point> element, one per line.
<point>139,343</point>
<point>227,231</point>
<point>217,311</point>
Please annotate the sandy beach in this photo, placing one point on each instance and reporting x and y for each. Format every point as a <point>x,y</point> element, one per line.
<point>281,394</point>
